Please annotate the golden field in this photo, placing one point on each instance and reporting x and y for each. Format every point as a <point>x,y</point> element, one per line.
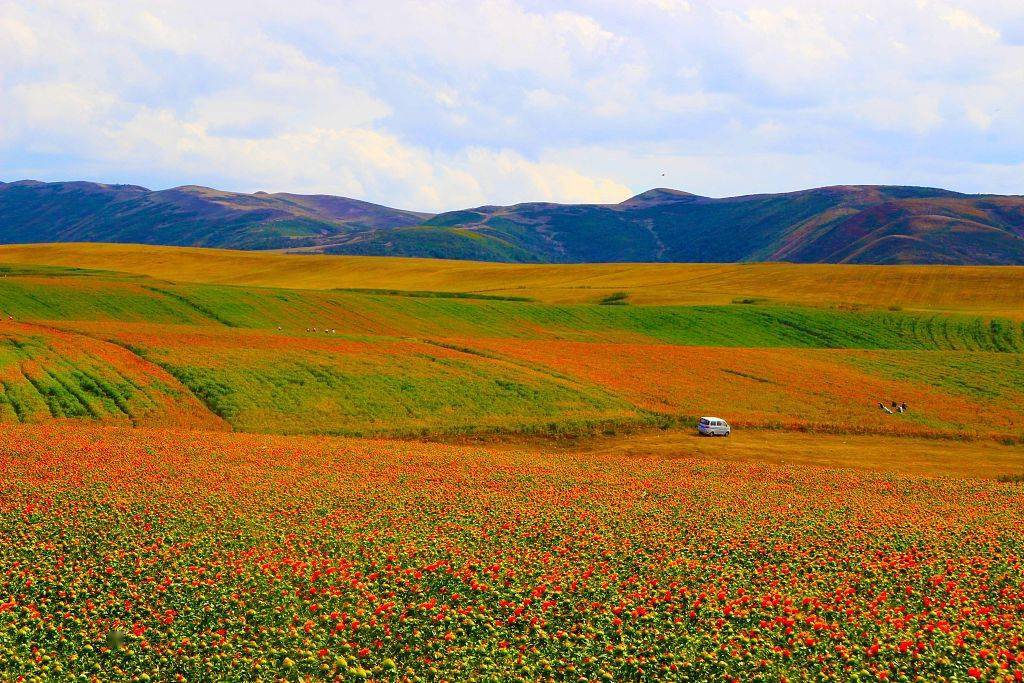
<point>983,290</point>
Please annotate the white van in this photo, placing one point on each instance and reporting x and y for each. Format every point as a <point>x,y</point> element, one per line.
<point>713,426</point>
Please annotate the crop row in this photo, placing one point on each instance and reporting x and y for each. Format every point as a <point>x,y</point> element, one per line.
<point>48,374</point>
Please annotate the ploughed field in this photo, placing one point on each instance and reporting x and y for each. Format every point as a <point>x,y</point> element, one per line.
<point>163,555</point>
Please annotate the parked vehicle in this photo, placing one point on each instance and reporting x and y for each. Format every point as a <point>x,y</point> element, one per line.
<point>713,426</point>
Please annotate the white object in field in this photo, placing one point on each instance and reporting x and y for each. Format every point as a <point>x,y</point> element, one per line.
<point>713,426</point>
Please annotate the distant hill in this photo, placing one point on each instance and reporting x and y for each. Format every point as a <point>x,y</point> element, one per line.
<point>859,224</point>
<point>32,211</point>
<point>843,224</point>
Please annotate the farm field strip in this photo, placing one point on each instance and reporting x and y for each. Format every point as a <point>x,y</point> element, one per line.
<point>873,453</point>
<point>134,552</point>
<point>833,389</point>
<point>987,291</point>
<point>102,298</point>
<point>421,364</point>
<point>51,374</point>
<point>265,382</point>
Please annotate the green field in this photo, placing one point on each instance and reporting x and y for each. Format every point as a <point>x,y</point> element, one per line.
<point>76,297</point>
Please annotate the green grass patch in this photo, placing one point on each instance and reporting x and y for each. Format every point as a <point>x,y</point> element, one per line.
<point>616,299</point>
<point>271,390</point>
<point>984,376</point>
<point>41,382</point>
<point>438,315</point>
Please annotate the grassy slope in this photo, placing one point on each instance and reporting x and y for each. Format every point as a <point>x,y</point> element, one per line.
<point>427,364</point>
<point>995,290</point>
<point>796,388</point>
<point>49,374</point>
<point>106,298</point>
<point>185,215</point>
<point>262,382</point>
<point>876,452</point>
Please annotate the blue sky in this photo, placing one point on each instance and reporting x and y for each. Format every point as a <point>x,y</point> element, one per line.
<point>441,104</point>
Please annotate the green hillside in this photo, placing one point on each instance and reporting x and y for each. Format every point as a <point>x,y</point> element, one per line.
<point>199,216</point>
<point>73,296</point>
<point>843,224</point>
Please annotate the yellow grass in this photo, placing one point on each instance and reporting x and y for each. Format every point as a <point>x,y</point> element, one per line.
<point>982,290</point>
<point>927,457</point>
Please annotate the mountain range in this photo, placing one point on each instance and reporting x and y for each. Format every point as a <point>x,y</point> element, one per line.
<point>841,224</point>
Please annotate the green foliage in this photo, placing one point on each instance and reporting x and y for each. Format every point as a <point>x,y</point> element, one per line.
<point>616,299</point>
<point>42,382</point>
<point>91,298</point>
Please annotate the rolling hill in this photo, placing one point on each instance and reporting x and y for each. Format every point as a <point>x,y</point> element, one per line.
<point>844,224</point>
<point>857,224</point>
<point>406,358</point>
<point>31,211</point>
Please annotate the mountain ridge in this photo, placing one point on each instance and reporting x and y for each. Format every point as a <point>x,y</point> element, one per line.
<point>882,224</point>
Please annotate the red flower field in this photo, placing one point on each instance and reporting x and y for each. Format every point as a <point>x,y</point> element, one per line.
<point>803,388</point>
<point>163,555</point>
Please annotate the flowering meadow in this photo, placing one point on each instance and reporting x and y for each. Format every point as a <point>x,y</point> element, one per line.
<point>171,555</point>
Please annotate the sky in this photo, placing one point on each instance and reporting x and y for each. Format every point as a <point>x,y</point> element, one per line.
<point>442,104</point>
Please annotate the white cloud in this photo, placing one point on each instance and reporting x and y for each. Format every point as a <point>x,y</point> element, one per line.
<point>442,103</point>
<point>18,43</point>
<point>548,181</point>
<point>670,6</point>
<point>979,117</point>
<point>354,161</point>
<point>917,114</point>
<point>58,109</point>
<point>961,19</point>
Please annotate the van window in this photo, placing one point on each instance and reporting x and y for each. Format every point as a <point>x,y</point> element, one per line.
<point>703,421</point>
